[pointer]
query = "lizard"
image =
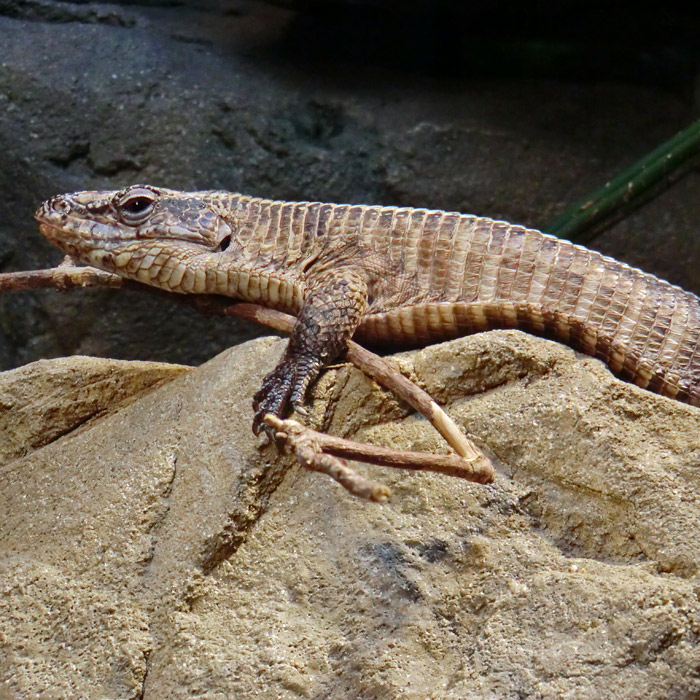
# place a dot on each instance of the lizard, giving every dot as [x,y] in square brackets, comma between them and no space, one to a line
[389,276]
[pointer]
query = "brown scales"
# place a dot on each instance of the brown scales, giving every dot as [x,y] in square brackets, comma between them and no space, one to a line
[392,276]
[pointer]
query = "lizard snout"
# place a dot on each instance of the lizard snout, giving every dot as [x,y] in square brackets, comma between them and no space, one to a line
[53,211]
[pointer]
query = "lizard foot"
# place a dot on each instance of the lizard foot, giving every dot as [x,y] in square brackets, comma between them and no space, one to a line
[283,388]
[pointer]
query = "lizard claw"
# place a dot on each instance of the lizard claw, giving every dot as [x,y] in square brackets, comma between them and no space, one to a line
[301,409]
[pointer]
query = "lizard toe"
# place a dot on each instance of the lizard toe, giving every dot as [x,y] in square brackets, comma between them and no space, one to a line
[273,396]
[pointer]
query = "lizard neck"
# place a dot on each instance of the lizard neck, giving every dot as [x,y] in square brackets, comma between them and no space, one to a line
[244,280]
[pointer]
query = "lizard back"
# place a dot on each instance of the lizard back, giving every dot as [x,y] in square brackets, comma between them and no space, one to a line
[435,275]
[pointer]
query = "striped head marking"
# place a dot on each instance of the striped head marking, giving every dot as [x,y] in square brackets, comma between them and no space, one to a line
[114,230]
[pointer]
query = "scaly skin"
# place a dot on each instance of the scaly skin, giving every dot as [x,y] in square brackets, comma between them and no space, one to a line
[393,276]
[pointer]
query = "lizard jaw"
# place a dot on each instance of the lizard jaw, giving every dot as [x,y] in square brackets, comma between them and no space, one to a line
[69,244]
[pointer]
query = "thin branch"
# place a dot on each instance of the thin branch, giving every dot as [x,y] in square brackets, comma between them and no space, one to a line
[326,454]
[386,373]
[449,465]
[64,277]
[306,445]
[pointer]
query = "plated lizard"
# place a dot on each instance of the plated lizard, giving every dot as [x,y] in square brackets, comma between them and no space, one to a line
[392,276]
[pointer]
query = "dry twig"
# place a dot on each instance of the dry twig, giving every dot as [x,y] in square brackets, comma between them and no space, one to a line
[294,433]
[66,276]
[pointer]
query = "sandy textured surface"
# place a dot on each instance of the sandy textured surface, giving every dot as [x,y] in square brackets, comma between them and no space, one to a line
[150,547]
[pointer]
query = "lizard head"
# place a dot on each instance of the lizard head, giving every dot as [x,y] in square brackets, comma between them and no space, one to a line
[125,231]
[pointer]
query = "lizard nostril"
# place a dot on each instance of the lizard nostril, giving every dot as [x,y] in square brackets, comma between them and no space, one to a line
[60,206]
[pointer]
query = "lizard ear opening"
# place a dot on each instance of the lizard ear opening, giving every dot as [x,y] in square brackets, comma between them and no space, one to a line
[225,243]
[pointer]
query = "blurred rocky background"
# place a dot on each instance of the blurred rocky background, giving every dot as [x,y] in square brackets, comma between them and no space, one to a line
[512,110]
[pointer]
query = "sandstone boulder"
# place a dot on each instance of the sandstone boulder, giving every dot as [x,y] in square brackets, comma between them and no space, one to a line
[152,548]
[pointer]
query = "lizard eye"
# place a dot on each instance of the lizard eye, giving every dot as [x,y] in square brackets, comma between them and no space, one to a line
[136,207]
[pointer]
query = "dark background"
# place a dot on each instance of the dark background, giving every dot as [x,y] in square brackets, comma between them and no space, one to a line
[511,110]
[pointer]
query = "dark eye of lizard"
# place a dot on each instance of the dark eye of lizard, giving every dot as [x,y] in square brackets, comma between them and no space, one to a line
[137,205]
[136,208]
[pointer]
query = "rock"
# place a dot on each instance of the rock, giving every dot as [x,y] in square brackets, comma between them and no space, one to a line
[159,551]
[297,105]
[34,410]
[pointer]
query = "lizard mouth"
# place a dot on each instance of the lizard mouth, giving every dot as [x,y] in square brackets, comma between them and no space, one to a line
[55,233]
[50,231]
[46,229]
[60,238]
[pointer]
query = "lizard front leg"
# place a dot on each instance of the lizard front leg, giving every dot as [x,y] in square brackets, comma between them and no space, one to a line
[333,308]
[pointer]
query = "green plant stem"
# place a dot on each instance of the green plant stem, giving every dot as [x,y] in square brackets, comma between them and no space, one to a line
[625,192]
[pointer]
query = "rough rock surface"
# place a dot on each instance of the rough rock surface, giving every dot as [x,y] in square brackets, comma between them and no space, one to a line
[158,551]
[279,103]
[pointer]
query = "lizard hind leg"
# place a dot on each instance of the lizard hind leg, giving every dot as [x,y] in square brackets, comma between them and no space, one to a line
[333,308]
